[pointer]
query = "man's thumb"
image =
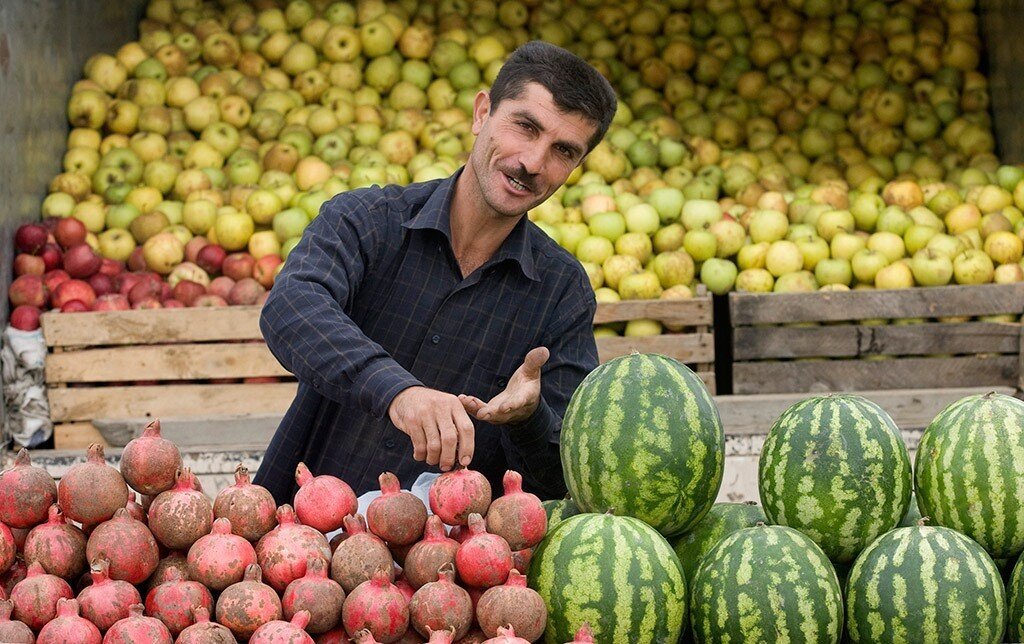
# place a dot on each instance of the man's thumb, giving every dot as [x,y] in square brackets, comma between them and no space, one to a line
[534,360]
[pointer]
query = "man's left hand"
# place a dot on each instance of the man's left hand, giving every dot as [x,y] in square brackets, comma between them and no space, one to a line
[520,398]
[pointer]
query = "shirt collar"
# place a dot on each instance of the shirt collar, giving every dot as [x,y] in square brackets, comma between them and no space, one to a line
[436,215]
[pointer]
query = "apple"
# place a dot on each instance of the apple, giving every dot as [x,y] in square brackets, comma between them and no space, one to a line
[755,280]
[889,244]
[752,255]
[116,244]
[233,230]
[25,264]
[52,256]
[1008,274]
[264,243]
[75,306]
[188,271]
[147,303]
[783,257]
[946,245]
[673,268]
[101,284]
[698,214]
[193,247]
[53,278]
[931,268]
[199,215]
[642,218]
[866,263]
[210,258]
[25,317]
[30,238]
[70,232]
[1004,247]
[636,244]
[610,225]
[718,275]
[833,271]
[668,202]
[162,252]
[962,218]
[265,270]
[144,289]
[918,236]
[812,248]
[111,267]
[238,266]
[669,238]
[640,286]
[31,290]
[974,267]
[832,222]
[618,266]
[700,244]
[209,300]
[865,208]
[186,291]
[81,261]
[729,235]
[893,220]
[73,290]
[768,226]
[594,249]
[245,292]
[111,302]
[798,282]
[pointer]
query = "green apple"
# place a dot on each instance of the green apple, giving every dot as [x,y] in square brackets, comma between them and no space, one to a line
[784,257]
[636,244]
[894,220]
[668,202]
[931,268]
[768,226]
[594,249]
[572,233]
[698,214]
[833,271]
[116,243]
[718,275]
[618,266]
[866,263]
[642,218]
[673,268]
[640,286]
[669,238]
[974,267]
[199,215]
[610,225]
[233,230]
[121,216]
[700,244]
[813,248]
[755,280]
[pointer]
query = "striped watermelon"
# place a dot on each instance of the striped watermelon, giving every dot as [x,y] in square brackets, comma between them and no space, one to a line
[1015,595]
[642,436]
[719,523]
[925,584]
[615,573]
[766,584]
[969,473]
[559,510]
[913,514]
[835,468]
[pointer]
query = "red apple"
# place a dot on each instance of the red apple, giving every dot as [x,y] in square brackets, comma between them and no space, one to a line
[69,232]
[238,266]
[166,292]
[264,272]
[52,256]
[25,264]
[30,238]
[193,247]
[55,278]
[81,261]
[221,286]
[111,302]
[73,290]
[50,224]
[209,300]
[211,258]
[28,289]
[148,303]
[74,306]
[173,304]
[144,289]
[187,291]
[25,317]
[111,267]
[126,281]
[136,262]
[245,291]
[101,284]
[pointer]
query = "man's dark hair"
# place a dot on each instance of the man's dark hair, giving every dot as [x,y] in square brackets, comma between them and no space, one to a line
[575,85]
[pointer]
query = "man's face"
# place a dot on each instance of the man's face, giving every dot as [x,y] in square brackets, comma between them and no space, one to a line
[525,149]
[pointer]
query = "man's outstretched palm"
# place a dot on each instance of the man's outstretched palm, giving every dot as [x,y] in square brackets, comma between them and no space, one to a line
[519,399]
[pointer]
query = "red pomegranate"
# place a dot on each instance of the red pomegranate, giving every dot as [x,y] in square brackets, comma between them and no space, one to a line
[364,637]
[506,635]
[398,553]
[172,601]
[35,597]
[475,636]
[175,559]
[457,494]
[68,626]
[251,508]
[484,559]
[91,492]
[220,558]
[396,516]
[378,606]
[247,605]
[58,545]
[10,578]
[515,604]
[459,533]
[135,509]
[441,605]
[358,557]
[8,547]
[149,463]
[127,544]
[26,493]
[426,557]
[335,636]
[281,632]
[584,635]
[317,593]
[182,514]
[20,536]
[136,628]
[203,631]
[324,501]
[441,637]
[402,584]
[283,552]
[521,559]
[11,630]
[106,600]
[517,516]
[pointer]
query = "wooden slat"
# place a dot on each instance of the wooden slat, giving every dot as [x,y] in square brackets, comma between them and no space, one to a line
[709,379]
[847,340]
[775,308]
[163,362]
[691,312]
[77,436]
[684,347]
[152,326]
[86,403]
[818,376]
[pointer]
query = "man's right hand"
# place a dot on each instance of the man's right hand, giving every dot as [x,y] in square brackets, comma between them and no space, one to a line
[437,424]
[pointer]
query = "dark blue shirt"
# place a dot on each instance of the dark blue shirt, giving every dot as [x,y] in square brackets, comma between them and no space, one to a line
[372,301]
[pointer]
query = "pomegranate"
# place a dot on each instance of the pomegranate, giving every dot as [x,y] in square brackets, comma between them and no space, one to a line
[315,592]
[20,536]
[484,559]
[13,631]
[517,516]
[220,558]
[106,600]
[426,557]
[364,637]
[174,559]
[459,533]
[13,575]
[26,493]
[172,601]
[395,516]
[506,635]
[135,509]
[68,626]
[584,635]
[203,631]
[251,508]
[8,547]
[378,606]
[136,628]
[336,636]
[247,605]
[411,637]
[521,559]
[35,597]
[149,462]
[281,632]
[515,604]
[441,605]
[357,558]
[398,553]
[402,584]
[324,501]
[57,545]
[91,492]
[283,552]
[475,636]
[458,493]
[127,544]
[182,514]
[442,637]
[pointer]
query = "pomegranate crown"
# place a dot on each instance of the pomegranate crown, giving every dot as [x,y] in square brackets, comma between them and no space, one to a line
[241,475]
[152,430]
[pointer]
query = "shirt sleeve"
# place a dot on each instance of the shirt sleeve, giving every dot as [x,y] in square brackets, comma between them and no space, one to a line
[304,320]
[532,447]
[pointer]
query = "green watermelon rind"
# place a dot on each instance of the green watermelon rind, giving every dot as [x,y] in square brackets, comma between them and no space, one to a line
[1015,602]
[721,521]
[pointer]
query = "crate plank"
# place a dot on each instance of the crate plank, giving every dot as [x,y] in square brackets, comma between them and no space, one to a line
[847,340]
[100,328]
[817,376]
[775,308]
[163,362]
[684,347]
[691,312]
[87,403]
[78,436]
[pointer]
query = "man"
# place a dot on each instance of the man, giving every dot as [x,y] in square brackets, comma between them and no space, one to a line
[435,325]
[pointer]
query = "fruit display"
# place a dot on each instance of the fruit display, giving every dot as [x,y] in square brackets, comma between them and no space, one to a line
[721,521]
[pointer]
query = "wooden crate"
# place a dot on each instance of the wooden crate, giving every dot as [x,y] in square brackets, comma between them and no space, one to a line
[816,342]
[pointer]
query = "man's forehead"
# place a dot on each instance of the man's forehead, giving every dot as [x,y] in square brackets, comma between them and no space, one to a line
[536,101]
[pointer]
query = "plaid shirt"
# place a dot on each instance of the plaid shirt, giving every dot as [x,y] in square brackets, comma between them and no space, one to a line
[372,301]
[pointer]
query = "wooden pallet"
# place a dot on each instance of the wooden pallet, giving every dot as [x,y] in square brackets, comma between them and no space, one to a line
[816,342]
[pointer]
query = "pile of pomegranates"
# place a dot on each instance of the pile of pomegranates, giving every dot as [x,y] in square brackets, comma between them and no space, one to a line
[92,560]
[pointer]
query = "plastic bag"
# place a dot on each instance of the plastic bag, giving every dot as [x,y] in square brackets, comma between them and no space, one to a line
[27,410]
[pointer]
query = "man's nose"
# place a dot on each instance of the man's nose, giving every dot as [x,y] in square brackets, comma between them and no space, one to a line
[532,159]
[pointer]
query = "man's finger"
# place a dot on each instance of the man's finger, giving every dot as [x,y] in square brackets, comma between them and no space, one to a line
[534,360]
[449,441]
[433,438]
[472,404]
[467,437]
[419,444]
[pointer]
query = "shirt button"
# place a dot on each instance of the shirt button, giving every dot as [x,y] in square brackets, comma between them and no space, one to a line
[389,443]
[435,339]
[502,382]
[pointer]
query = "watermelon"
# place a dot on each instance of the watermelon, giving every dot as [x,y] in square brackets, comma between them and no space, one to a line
[720,522]
[559,510]
[925,584]
[1015,596]
[615,573]
[642,437]
[913,514]
[835,468]
[766,584]
[969,473]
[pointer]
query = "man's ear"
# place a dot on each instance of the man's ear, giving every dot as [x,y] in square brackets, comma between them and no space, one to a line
[481,110]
